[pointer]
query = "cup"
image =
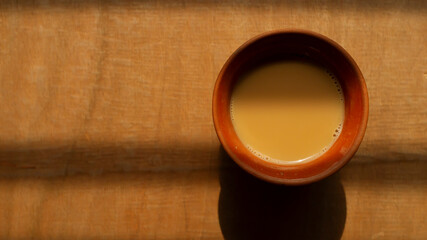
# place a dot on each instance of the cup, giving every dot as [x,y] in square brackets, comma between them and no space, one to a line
[314,47]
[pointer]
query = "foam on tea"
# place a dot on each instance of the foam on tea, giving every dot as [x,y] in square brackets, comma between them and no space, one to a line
[287,111]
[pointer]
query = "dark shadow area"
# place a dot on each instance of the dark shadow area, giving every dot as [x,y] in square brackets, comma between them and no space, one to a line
[250,208]
[368,171]
[47,159]
[417,5]
[52,159]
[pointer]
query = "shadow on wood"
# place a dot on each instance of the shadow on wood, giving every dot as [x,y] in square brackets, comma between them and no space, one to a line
[49,159]
[249,208]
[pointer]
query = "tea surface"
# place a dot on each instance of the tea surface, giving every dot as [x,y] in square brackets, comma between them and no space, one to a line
[287,111]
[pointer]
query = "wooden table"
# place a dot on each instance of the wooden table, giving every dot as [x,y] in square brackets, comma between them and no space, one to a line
[106,129]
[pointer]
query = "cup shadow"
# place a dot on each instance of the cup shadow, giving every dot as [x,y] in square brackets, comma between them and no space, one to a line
[249,208]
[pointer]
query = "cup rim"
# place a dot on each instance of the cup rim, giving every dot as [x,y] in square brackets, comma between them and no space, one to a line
[262,170]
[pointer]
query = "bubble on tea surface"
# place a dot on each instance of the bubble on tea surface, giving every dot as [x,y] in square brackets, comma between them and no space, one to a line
[337,131]
[232,109]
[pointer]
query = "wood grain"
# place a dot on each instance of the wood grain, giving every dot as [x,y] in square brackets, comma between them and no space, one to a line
[106,129]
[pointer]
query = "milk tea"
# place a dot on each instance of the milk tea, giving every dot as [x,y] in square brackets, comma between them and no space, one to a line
[287,111]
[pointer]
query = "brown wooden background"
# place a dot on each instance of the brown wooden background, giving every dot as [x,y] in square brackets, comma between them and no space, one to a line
[106,128]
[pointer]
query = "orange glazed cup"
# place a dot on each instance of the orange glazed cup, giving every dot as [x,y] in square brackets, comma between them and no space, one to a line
[293,43]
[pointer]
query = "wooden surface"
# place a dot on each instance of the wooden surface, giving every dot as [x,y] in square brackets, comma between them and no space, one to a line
[106,129]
